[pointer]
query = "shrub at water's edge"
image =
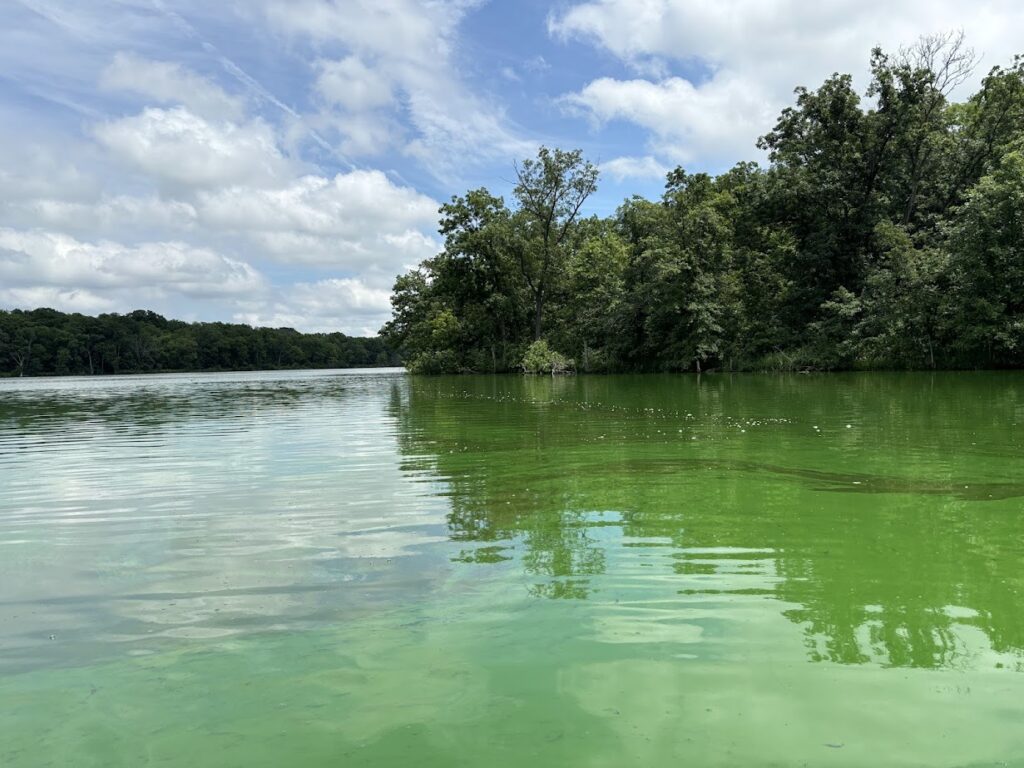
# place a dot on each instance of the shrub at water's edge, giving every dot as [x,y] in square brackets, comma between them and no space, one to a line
[540,358]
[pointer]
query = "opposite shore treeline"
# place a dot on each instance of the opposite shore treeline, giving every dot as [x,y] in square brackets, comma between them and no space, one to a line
[46,342]
[887,231]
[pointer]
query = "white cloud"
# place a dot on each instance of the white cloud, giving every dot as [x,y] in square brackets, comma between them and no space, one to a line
[115,215]
[784,36]
[408,30]
[456,129]
[351,84]
[39,268]
[355,221]
[176,147]
[714,121]
[29,170]
[751,54]
[363,133]
[35,260]
[345,304]
[64,299]
[169,83]
[622,168]
[400,57]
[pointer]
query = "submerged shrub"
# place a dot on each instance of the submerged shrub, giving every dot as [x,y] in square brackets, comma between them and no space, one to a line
[540,358]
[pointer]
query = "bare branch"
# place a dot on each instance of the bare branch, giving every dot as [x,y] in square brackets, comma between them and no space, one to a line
[945,56]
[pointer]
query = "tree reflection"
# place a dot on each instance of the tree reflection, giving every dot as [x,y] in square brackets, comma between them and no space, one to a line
[887,543]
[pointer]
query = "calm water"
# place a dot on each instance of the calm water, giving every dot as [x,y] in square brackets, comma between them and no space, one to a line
[369,569]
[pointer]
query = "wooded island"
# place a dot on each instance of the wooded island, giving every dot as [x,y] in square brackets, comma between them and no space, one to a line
[887,231]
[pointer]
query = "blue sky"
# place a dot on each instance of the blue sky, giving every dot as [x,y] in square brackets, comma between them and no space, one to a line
[277,162]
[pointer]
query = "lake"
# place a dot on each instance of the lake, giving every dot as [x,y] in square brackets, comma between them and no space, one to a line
[363,568]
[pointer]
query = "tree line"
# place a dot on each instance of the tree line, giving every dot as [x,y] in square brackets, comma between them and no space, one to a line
[47,342]
[886,231]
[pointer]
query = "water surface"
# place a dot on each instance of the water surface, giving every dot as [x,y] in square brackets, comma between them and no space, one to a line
[363,568]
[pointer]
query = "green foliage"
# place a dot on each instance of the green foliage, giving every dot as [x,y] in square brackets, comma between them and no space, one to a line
[550,191]
[540,358]
[833,342]
[46,342]
[987,238]
[587,302]
[886,232]
[905,302]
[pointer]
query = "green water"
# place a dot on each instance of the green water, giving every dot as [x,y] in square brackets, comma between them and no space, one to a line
[369,569]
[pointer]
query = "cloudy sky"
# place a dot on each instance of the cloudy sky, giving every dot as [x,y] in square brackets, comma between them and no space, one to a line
[277,162]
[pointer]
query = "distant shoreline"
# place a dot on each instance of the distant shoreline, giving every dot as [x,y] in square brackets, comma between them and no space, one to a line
[46,342]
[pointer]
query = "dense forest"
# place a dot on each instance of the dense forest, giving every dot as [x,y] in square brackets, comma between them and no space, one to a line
[886,231]
[47,342]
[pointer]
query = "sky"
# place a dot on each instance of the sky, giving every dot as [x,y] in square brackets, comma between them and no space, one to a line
[279,162]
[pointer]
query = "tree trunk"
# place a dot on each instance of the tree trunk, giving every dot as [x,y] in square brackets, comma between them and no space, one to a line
[538,314]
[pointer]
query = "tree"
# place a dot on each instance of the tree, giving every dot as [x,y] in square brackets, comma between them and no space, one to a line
[640,224]
[824,189]
[476,273]
[885,232]
[550,191]
[987,251]
[689,260]
[983,129]
[910,125]
[462,310]
[588,302]
[21,350]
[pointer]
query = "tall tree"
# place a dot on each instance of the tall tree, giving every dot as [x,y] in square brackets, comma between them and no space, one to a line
[587,305]
[823,190]
[550,191]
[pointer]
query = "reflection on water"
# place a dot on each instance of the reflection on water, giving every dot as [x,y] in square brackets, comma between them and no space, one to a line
[891,536]
[142,508]
[594,570]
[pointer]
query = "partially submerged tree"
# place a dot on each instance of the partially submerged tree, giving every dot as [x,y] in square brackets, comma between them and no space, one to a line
[540,358]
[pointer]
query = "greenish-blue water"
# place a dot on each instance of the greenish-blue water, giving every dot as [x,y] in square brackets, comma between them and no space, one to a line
[366,568]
